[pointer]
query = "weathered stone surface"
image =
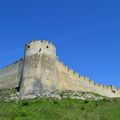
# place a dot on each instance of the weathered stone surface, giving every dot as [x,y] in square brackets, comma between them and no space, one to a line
[40,69]
[10,75]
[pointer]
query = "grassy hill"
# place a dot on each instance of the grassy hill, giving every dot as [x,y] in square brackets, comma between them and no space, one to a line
[65,109]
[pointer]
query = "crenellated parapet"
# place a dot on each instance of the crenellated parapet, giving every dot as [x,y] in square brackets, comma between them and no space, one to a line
[92,86]
[68,70]
[40,47]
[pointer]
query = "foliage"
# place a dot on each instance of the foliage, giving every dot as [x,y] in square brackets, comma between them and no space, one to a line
[64,109]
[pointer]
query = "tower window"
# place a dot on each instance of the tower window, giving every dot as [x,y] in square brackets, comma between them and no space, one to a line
[47,46]
[28,46]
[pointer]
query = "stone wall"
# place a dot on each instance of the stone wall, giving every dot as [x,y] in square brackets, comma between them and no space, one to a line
[10,75]
[70,80]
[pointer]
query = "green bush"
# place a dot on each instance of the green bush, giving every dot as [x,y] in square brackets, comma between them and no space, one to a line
[55,102]
[106,100]
[86,101]
[82,108]
[25,104]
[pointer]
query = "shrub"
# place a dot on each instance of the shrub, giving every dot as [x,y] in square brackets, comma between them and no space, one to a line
[25,104]
[96,104]
[77,118]
[22,114]
[114,99]
[55,102]
[82,108]
[61,94]
[86,101]
[106,100]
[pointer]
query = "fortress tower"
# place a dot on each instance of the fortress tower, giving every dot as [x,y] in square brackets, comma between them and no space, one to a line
[39,70]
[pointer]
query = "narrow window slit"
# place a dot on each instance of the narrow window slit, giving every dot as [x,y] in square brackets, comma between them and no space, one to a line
[40,50]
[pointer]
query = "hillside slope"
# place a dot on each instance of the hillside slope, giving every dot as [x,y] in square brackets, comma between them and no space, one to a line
[64,109]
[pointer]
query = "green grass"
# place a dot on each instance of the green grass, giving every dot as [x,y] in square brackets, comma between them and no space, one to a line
[65,109]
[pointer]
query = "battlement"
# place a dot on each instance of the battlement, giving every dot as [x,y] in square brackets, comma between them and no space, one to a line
[43,42]
[39,47]
[86,80]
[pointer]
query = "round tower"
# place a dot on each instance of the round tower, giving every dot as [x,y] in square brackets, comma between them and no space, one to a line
[40,69]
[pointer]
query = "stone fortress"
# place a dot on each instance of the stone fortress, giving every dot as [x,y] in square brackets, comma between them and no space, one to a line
[40,72]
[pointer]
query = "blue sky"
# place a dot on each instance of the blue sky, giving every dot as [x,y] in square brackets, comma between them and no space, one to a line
[85,32]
